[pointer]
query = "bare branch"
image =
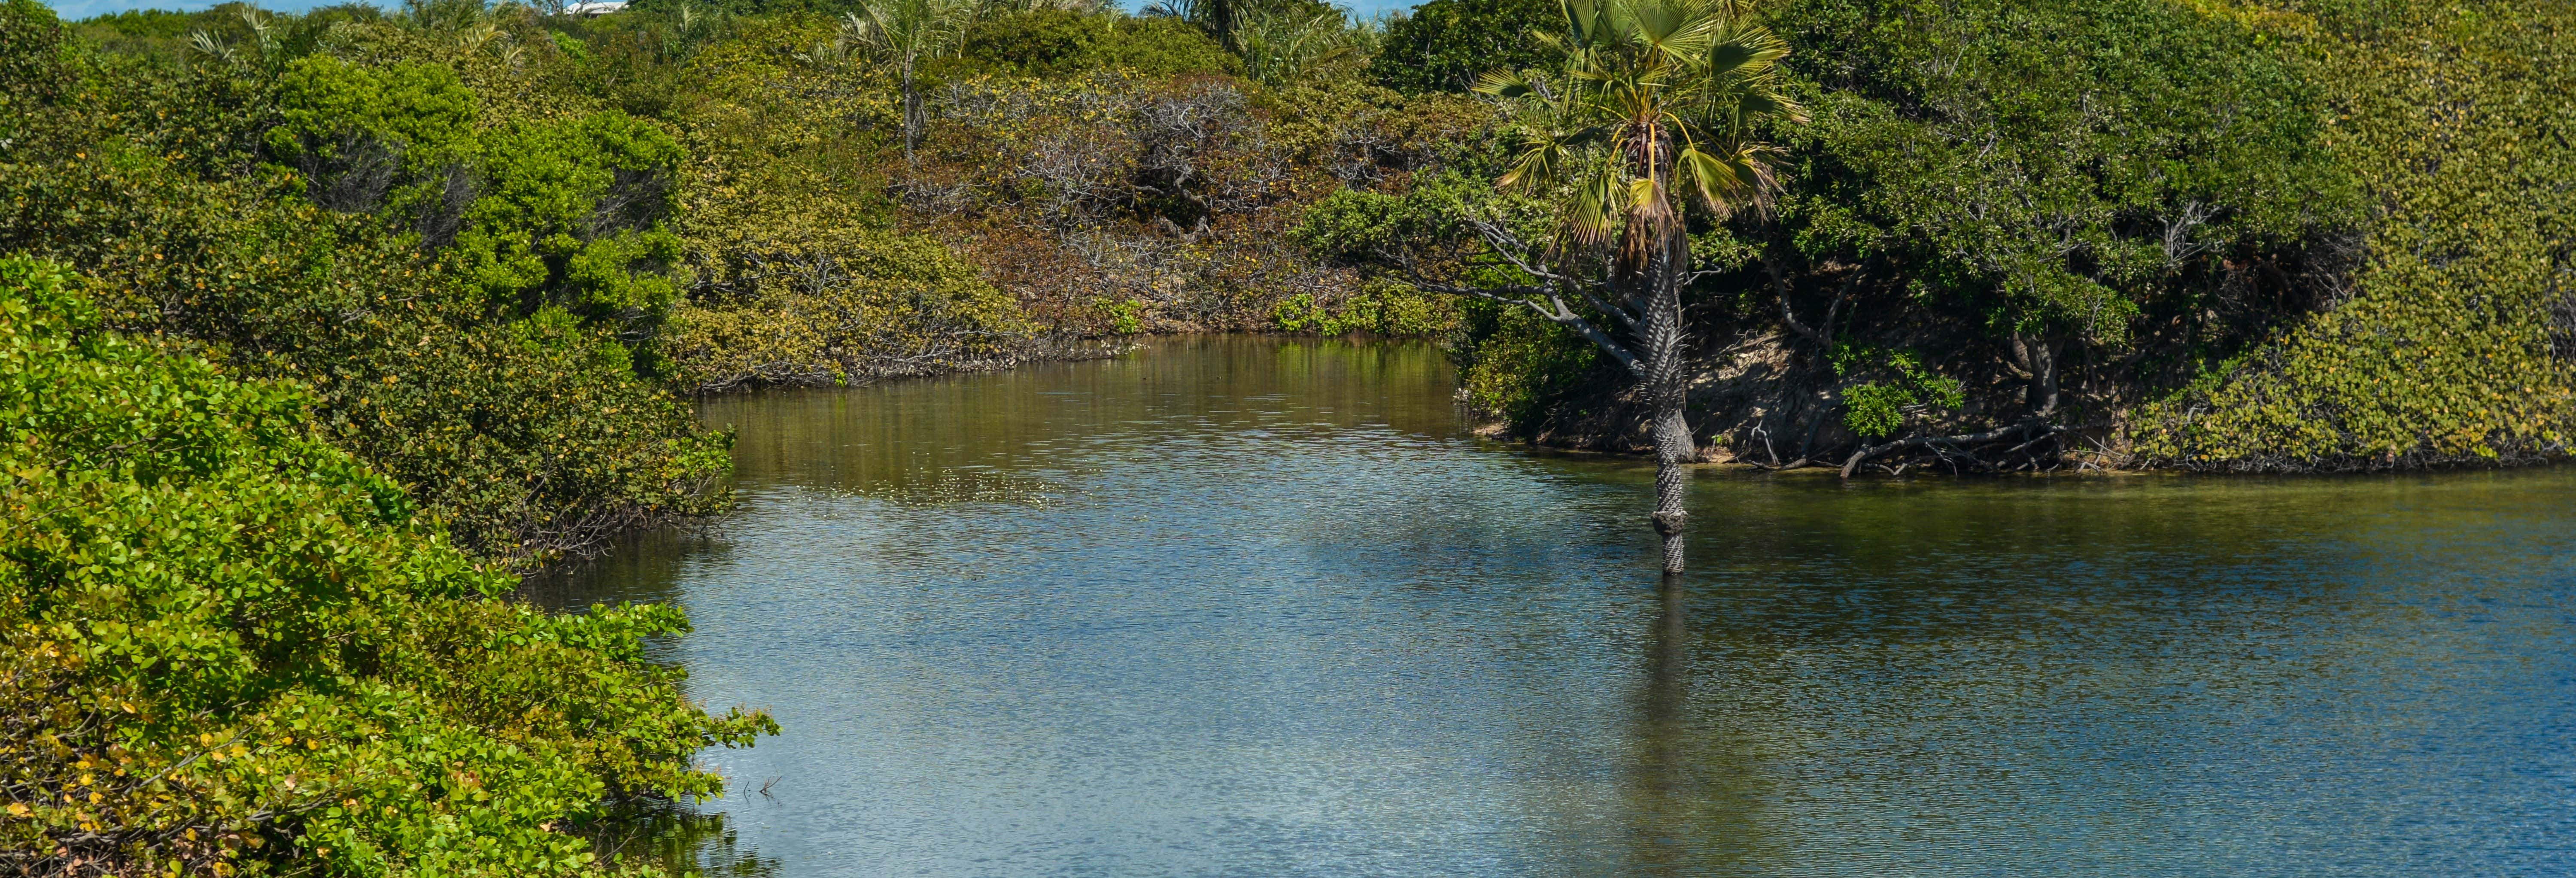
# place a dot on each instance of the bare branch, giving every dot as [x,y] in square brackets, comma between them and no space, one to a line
[1566,317]
[1511,249]
[1788,316]
[1627,316]
[1943,444]
[1552,307]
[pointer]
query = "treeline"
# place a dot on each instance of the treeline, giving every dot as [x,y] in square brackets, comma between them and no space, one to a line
[501,245]
[2314,235]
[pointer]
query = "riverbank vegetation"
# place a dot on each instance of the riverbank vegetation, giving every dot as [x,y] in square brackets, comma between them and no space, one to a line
[326,323]
[2205,235]
[504,245]
[400,299]
[231,648]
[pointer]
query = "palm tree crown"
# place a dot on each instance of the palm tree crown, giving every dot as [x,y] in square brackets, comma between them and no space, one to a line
[1656,97]
[1660,108]
[905,33]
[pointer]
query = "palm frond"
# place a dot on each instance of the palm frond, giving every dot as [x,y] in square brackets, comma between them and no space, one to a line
[1760,103]
[1709,179]
[1745,52]
[1674,31]
[1504,84]
[211,46]
[1645,200]
[1595,208]
[1538,165]
[1583,20]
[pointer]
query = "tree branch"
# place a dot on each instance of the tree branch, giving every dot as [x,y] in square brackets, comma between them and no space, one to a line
[1780,288]
[1547,299]
[2042,428]
[1626,313]
[1553,308]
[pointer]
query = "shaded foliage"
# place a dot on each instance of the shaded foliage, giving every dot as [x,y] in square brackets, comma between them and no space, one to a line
[1444,45]
[2062,213]
[2449,345]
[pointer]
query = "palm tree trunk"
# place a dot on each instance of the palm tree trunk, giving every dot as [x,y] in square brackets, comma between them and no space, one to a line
[1221,19]
[1668,394]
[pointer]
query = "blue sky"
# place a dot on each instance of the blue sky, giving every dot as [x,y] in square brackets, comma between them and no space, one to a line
[77,9]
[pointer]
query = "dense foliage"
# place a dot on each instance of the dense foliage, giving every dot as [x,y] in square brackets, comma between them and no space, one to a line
[2030,225]
[1446,44]
[226,646]
[2456,342]
[1059,42]
[503,379]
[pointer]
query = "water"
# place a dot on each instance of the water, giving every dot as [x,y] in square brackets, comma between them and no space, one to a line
[1254,607]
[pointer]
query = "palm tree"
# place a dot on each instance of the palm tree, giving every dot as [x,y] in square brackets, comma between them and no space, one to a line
[905,32]
[1281,46]
[1218,17]
[1659,109]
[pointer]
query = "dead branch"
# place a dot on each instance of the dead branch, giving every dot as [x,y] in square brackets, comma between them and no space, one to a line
[1946,446]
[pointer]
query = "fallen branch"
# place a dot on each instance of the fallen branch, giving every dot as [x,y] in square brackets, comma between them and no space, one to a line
[1941,444]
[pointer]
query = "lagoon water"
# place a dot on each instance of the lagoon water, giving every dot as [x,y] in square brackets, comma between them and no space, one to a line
[1260,607]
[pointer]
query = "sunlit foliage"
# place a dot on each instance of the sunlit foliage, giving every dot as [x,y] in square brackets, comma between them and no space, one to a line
[2456,341]
[2070,211]
[227,645]
[1058,42]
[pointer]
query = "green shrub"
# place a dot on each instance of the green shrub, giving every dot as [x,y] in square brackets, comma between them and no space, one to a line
[1155,46]
[1443,45]
[525,445]
[2456,343]
[148,23]
[32,63]
[328,107]
[572,216]
[1379,307]
[1038,42]
[1522,368]
[231,648]
[1877,409]
[1057,42]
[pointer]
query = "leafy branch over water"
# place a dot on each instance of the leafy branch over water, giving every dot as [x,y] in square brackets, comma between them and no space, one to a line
[229,645]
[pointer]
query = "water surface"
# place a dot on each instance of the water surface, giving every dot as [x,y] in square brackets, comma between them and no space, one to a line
[1261,607]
